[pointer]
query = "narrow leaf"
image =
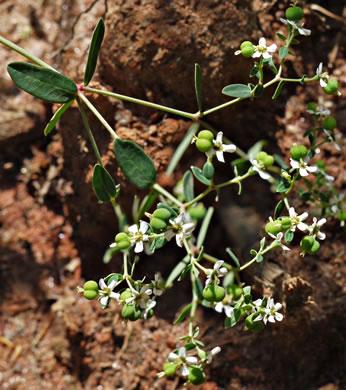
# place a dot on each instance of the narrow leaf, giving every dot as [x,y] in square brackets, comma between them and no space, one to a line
[55,118]
[278,90]
[135,163]
[204,228]
[198,287]
[278,209]
[237,90]
[110,252]
[104,186]
[281,36]
[147,202]
[183,314]
[283,52]
[43,83]
[188,186]
[198,86]
[184,144]
[199,175]
[95,46]
[258,91]
[177,270]
[234,257]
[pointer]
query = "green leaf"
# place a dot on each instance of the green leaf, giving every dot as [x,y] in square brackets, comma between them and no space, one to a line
[104,186]
[283,52]
[147,202]
[177,270]
[183,314]
[229,322]
[258,91]
[188,186]
[283,186]
[198,287]
[259,258]
[278,209]
[237,90]
[289,236]
[278,90]
[135,163]
[110,252]
[198,86]
[234,257]
[280,161]
[255,149]
[199,175]
[254,71]
[204,227]
[95,46]
[43,83]
[270,63]
[305,195]
[55,118]
[184,144]
[282,37]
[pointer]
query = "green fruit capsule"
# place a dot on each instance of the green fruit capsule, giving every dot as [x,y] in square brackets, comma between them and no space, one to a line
[246,44]
[125,295]
[196,376]
[90,294]
[261,156]
[294,13]
[257,327]
[162,213]
[247,51]
[213,293]
[169,369]
[329,123]
[236,292]
[91,285]
[298,151]
[273,227]
[342,216]
[268,161]
[205,134]
[157,223]
[127,311]
[208,170]
[286,223]
[315,247]
[332,87]
[121,237]
[124,244]
[197,212]
[203,145]
[136,315]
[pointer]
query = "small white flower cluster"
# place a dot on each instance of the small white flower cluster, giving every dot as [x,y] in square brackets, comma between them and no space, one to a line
[219,148]
[270,312]
[259,168]
[261,50]
[218,271]
[302,166]
[180,229]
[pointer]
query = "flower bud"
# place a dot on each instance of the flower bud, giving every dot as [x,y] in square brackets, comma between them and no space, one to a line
[203,145]
[298,152]
[332,87]
[169,369]
[157,223]
[162,213]
[206,134]
[273,227]
[294,13]
[213,293]
[329,123]
[208,170]
[196,375]
[197,212]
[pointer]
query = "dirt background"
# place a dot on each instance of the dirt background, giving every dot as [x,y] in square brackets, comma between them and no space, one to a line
[53,233]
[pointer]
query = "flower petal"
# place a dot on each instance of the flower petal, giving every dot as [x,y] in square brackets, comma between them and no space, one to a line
[133,229]
[219,156]
[102,284]
[230,148]
[139,247]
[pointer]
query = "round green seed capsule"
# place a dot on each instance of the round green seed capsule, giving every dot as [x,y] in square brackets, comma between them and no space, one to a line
[236,291]
[169,369]
[91,285]
[124,244]
[257,327]
[157,223]
[205,134]
[247,51]
[162,213]
[306,243]
[268,161]
[90,294]
[246,44]
[329,123]
[332,87]
[197,212]
[315,247]
[127,311]
[208,170]
[196,376]
[213,293]
[294,13]
[273,227]
[298,151]
[285,223]
[136,315]
[203,145]
[121,237]
[125,295]
[261,156]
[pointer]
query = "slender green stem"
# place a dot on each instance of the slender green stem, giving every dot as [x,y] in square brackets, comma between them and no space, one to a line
[117,210]
[194,304]
[261,252]
[143,103]
[98,115]
[90,134]
[213,260]
[24,53]
[165,193]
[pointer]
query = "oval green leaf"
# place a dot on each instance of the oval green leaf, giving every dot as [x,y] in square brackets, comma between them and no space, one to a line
[188,186]
[278,90]
[199,175]
[104,186]
[135,163]
[95,46]
[55,118]
[43,83]
[237,90]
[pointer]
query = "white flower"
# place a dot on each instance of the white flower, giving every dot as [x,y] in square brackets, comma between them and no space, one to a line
[212,353]
[304,169]
[319,111]
[324,76]
[258,166]
[278,239]
[138,235]
[215,273]
[270,312]
[297,26]
[297,220]
[140,298]
[315,228]
[178,229]
[337,203]
[219,148]
[228,309]
[150,305]
[332,138]
[263,50]
[182,360]
[158,284]
[106,292]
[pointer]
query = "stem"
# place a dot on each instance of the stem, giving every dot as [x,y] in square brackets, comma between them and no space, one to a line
[117,210]
[98,115]
[213,260]
[143,103]
[194,304]
[262,252]
[165,193]
[90,134]
[24,53]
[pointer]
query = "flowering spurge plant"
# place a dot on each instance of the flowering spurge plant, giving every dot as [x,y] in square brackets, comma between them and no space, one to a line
[180,217]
